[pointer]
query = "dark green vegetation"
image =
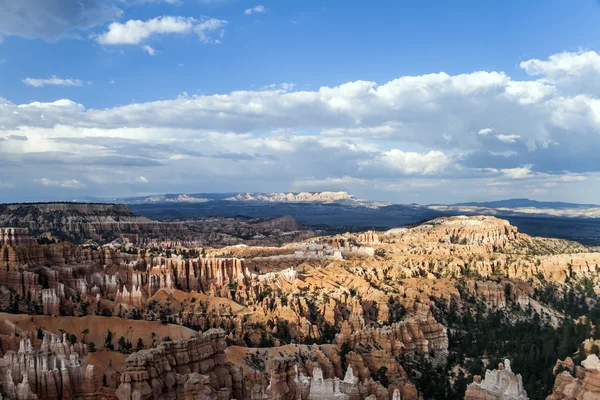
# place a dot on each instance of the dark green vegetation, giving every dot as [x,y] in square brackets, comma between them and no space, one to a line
[533,345]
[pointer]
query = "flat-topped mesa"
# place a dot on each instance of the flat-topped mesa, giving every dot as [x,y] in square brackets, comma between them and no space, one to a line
[15,237]
[324,197]
[499,384]
[187,368]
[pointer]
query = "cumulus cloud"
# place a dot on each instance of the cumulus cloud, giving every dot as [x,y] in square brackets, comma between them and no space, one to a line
[410,163]
[572,72]
[256,10]
[142,179]
[507,138]
[53,80]
[53,19]
[134,32]
[478,130]
[517,173]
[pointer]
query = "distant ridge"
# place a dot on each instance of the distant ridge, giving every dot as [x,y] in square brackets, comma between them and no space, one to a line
[272,197]
[523,202]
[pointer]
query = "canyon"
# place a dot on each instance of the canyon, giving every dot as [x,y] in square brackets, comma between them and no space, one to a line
[99,303]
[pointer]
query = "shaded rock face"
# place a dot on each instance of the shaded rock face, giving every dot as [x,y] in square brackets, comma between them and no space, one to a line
[52,371]
[499,384]
[186,369]
[79,221]
[577,382]
[283,223]
[15,237]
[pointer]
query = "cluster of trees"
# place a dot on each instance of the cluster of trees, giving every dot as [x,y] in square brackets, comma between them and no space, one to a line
[123,345]
[18,304]
[532,345]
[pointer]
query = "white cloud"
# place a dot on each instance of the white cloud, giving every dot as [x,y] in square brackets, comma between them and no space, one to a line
[142,179]
[410,163]
[430,129]
[573,72]
[283,87]
[53,80]
[255,10]
[508,138]
[149,50]
[517,173]
[70,183]
[134,32]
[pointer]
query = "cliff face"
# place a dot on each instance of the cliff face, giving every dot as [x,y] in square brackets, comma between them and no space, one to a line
[577,382]
[80,221]
[186,369]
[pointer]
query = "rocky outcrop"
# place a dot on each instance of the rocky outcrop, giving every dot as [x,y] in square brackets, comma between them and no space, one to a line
[500,384]
[417,336]
[53,371]
[577,382]
[185,369]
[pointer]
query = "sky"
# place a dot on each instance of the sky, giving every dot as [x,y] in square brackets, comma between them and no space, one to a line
[405,101]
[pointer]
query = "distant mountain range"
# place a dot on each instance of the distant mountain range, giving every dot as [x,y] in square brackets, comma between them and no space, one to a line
[326,198]
[343,211]
[241,197]
[524,203]
[276,197]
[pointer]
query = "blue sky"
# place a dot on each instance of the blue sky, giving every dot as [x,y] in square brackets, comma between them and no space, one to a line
[410,101]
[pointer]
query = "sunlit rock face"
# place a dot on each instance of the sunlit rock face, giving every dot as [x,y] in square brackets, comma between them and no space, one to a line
[577,382]
[498,384]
